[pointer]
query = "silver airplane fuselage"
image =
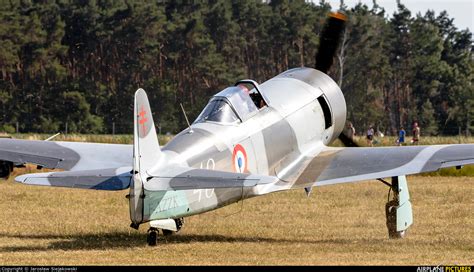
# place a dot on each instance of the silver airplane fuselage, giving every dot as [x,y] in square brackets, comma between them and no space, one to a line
[305,110]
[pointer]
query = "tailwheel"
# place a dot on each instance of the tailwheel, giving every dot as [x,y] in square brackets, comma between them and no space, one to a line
[152,236]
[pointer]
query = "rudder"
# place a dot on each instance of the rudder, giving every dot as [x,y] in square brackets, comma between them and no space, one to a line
[146,154]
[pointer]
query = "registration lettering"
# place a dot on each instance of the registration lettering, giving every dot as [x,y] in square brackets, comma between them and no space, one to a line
[168,204]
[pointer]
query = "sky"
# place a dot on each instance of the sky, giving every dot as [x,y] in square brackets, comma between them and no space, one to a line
[461,10]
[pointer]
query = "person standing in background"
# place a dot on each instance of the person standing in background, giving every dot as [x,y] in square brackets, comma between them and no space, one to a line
[370,136]
[350,131]
[416,133]
[401,136]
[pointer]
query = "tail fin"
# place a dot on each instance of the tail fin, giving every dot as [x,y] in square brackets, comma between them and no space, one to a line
[146,154]
[147,150]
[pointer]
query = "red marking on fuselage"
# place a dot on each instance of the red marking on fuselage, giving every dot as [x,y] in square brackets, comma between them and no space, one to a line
[238,148]
[142,120]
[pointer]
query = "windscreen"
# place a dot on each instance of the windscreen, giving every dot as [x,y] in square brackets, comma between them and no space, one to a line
[217,110]
[242,103]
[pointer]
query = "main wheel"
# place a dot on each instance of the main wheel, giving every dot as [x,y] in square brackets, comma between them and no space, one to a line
[151,237]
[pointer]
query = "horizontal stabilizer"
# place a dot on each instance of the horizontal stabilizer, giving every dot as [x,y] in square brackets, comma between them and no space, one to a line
[184,178]
[111,179]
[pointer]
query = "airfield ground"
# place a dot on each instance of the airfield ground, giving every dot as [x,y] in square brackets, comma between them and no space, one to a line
[338,224]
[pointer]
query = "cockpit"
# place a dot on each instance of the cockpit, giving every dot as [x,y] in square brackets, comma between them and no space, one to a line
[233,104]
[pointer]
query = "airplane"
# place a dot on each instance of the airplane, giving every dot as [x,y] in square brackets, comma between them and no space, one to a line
[250,140]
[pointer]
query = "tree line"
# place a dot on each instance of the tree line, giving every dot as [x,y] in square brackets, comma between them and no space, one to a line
[77,63]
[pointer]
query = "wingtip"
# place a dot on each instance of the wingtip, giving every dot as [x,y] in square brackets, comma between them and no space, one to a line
[31,177]
[23,178]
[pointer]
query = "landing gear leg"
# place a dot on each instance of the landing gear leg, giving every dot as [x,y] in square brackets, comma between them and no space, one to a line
[151,236]
[398,209]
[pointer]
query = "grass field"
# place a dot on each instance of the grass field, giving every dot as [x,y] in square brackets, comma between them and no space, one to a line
[339,224]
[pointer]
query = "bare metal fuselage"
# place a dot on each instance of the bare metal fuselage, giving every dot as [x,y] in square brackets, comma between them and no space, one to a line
[294,122]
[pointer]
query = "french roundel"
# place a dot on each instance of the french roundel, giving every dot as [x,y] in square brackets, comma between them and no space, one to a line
[239,159]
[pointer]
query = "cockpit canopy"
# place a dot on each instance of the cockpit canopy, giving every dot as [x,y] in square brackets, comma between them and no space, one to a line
[231,105]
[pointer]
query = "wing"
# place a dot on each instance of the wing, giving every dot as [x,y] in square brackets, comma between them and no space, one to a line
[66,155]
[339,165]
[94,166]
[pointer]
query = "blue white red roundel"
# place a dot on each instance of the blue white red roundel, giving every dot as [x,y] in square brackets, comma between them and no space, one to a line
[239,159]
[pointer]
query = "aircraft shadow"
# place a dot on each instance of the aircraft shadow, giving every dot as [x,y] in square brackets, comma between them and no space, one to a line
[130,240]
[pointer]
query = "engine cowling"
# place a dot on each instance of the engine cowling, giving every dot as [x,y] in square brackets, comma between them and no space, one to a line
[332,99]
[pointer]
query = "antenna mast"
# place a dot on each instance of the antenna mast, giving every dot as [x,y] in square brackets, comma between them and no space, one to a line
[185,116]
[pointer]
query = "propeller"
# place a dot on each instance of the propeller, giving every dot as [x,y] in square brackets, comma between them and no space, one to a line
[328,44]
[329,40]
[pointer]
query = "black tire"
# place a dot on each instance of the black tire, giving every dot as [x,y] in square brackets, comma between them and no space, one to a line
[151,238]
